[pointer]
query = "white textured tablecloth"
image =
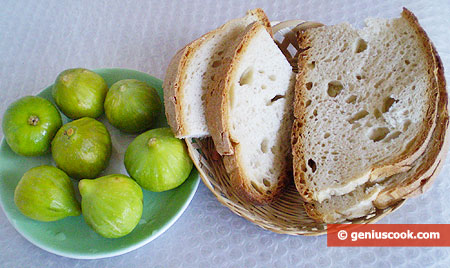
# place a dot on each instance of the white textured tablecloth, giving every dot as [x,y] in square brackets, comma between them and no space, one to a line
[39,39]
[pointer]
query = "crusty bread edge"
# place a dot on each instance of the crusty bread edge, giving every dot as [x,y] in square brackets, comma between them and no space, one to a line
[299,163]
[429,171]
[218,105]
[175,77]
[173,95]
[402,162]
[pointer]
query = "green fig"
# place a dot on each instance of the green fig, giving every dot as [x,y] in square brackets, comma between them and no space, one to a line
[132,106]
[79,93]
[112,205]
[29,125]
[82,148]
[157,160]
[46,193]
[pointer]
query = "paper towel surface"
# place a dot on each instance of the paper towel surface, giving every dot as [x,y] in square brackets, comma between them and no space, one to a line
[39,39]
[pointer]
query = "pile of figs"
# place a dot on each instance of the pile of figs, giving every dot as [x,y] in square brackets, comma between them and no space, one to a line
[111,205]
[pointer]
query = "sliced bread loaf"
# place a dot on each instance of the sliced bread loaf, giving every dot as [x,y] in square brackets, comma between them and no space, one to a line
[365,104]
[250,106]
[191,71]
[365,198]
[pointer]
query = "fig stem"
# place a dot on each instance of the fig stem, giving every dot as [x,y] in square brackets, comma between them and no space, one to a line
[33,120]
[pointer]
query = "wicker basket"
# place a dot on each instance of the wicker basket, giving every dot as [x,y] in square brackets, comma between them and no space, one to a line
[286,215]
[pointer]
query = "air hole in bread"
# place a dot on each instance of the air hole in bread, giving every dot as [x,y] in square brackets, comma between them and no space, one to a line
[359,77]
[359,115]
[356,125]
[392,136]
[377,134]
[315,112]
[277,97]
[265,145]
[246,77]
[360,45]
[406,125]
[377,85]
[261,71]
[308,102]
[309,85]
[351,99]
[272,77]
[344,47]
[387,103]
[376,113]
[334,88]
[312,165]
[326,135]
[407,62]
[263,86]
[216,63]
[273,149]
[408,145]
[266,183]
[220,53]
[311,65]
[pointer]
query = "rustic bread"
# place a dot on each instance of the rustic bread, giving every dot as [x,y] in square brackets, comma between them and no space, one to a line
[365,104]
[191,71]
[250,105]
[416,180]
[365,198]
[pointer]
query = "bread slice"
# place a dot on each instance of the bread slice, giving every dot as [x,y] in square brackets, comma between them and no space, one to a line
[430,163]
[251,106]
[365,198]
[191,71]
[365,105]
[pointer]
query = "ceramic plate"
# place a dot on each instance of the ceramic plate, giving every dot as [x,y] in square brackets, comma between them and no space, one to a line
[71,237]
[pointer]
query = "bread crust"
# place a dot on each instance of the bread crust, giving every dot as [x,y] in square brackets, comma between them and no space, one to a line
[217,112]
[401,163]
[175,77]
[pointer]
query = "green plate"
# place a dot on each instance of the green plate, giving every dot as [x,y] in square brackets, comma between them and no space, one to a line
[71,237]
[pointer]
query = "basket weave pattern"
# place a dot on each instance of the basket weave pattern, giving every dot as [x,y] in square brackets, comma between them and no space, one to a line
[285,215]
